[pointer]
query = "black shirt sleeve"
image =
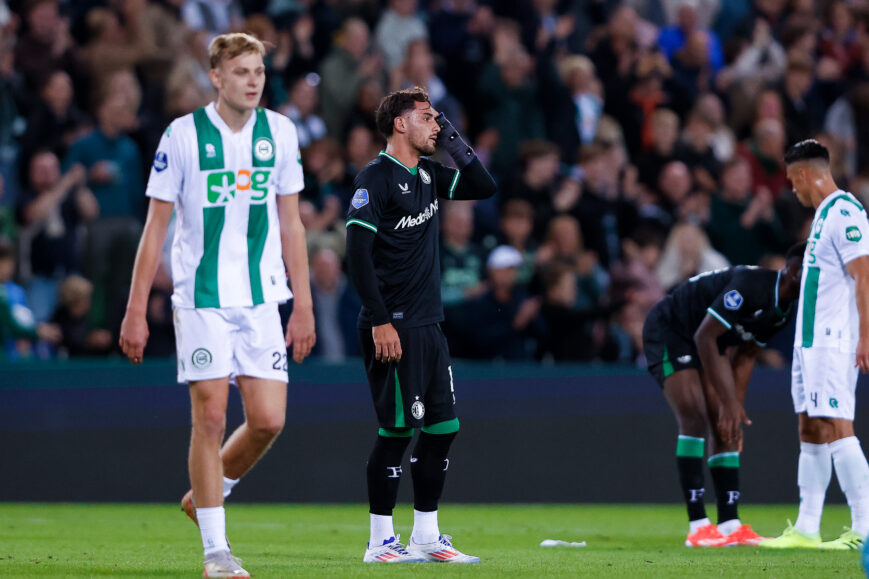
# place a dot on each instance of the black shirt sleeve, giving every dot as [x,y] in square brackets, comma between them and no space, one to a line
[368,202]
[360,267]
[738,301]
[474,182]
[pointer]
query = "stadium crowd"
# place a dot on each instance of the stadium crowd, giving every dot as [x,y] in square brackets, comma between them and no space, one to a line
[635,143]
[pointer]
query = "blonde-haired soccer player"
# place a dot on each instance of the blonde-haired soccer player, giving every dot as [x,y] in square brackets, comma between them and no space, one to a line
[231,172]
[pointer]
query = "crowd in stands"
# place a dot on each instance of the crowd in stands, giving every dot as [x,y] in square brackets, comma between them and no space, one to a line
[635,143]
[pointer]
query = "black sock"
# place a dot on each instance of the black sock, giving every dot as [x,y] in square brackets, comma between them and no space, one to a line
[384,473]
[428,465]
[689,460]
[725,474]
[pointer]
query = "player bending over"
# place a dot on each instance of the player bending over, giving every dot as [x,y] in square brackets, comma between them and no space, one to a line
[231,171]
[830,346]
[392,250]
[701,342]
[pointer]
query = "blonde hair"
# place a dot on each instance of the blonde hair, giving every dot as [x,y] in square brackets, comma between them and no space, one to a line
[73,289]
[228,46]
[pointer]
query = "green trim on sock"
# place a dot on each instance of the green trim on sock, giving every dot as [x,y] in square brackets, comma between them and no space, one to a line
[395,432]
[690,446]
[724,459]
[445,427]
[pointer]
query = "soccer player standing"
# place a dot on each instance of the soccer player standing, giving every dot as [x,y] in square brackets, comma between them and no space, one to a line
[701,342]
[392,249]
[830,346]
[231,172]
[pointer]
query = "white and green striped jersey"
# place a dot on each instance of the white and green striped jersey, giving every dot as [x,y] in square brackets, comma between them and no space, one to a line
[227,246]
[827,313]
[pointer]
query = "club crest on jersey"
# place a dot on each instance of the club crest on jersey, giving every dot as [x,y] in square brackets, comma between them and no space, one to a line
[417,409]
[161,161]
[360,198]
[853,234]
[263,149]
[426,178]
[732,300]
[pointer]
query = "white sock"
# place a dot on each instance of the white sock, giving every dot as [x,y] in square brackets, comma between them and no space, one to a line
[212,527]
[228,483]
[728,527]
[425,527]
[853,474]
[813,476]
[694,525]
[381,530]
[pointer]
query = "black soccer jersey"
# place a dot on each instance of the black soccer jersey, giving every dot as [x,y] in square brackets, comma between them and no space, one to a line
[743,298]
[400,205]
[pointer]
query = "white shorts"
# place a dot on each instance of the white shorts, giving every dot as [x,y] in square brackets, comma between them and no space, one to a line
[219,342]
[823,382]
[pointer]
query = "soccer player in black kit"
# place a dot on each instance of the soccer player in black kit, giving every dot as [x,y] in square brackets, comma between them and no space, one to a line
[701,342]
[392,252]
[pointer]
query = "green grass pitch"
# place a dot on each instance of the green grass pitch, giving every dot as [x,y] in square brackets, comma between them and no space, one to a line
[86,540]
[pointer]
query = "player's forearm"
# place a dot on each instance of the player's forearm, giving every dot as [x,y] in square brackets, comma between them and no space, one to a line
[862,291]
[148,256]
[717,369]
[743,366]
[360,268]
[295,253]
[474,183]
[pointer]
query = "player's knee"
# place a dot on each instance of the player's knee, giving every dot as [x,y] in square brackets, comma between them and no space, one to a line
[268,426]
[693,423]
[211,423]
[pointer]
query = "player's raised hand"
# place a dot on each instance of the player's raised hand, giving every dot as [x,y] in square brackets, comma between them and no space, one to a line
[301,333]
[387,346]
[863,356]
[134,336]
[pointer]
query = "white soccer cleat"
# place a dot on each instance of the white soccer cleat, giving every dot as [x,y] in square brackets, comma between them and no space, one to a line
[441,551]
[391,551]
[223,564]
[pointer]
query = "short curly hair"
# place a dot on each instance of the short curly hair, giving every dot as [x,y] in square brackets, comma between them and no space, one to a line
[396,104]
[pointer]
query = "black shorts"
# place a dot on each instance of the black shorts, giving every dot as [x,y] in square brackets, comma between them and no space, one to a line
[667,350]
[418,390]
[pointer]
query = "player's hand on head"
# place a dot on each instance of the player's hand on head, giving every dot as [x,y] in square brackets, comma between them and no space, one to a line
[387,345]
[134,336]
[301,333]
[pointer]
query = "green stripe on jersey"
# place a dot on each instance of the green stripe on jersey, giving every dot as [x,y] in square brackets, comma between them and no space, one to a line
[810,301]
[666,364]
[412,171]
[725,459]
[454,182]
[257,230]
[718,317]
[205,294]
[209,140]
[263,148]
[690,446]
[822,217]
[361,223]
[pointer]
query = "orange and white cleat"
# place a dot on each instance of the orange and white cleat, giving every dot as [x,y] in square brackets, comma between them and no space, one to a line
[188,507]
[745,536]
[706,536]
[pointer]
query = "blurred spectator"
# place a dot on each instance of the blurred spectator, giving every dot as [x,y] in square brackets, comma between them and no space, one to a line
[368,98]
[461,259]
[501,322]
[336,306]
[302,110]
[722,140]
[418,70]
[665,136]
[18,328]
[213,16]
[802,107]
[564,246]
[635,272]
[742,226]
[46,44]
[839,44]
[361,147]
[697,152]
[674,38]
[513,112]
[13,106]
[349,64]
[765,154]
[188,80]
[687,252]
[165,35]
[537,183]
[398,27]
[112,46]
[8,227]
[51,212]
[79,337]
[517,225]
[55,122]
[569,335]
